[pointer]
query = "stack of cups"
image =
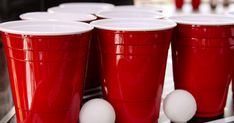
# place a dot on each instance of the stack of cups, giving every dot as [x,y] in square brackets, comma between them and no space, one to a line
[133,61]
[47,64]
[202,51]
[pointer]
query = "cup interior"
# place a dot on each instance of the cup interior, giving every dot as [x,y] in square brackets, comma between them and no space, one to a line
[44,28]
[121,14]
[133,24]
[87,5]
[137,8]
[79,8]
[203,19]
[57,16]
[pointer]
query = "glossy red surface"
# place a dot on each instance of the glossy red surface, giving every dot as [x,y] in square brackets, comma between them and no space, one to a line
[136,111]
[196,31]
[127,38]
[47,56]
[131,49]
[47,82]
[51,117]
[133,68]
[36,43]
[202,65]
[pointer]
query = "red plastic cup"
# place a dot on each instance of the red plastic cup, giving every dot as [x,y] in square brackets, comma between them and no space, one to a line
[45,16]
[203,58]
[81,7]
[126,14]
[47,65]
[92,81]
[133,61]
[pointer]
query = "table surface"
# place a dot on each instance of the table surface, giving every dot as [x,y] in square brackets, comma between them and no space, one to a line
[7,113]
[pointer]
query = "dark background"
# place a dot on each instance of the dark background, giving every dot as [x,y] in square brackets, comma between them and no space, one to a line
[11,9]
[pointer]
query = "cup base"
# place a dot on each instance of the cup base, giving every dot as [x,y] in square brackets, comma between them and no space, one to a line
[135,111]
[26,116]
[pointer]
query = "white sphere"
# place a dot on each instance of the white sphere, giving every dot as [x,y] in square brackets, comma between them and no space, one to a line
[97,111]
[179,106]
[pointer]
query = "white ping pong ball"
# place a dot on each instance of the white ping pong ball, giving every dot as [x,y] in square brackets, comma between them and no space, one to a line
[97,111]
[179,106]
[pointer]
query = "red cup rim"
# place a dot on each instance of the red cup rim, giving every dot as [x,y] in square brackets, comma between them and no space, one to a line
[45,16]
[122,14]
[203,19]
[44,28]
[90,8]
[133,24]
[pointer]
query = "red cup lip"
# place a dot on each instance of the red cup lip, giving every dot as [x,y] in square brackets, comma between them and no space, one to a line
[203,19]
[122,14]
[133,24]
[40,16]
[80,7]
[44,28]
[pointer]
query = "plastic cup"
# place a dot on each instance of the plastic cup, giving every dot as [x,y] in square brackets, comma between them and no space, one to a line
[132,81]
[46,78]
[92,81]
[81,7]
[45,16]
[202,59]
[125,14]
